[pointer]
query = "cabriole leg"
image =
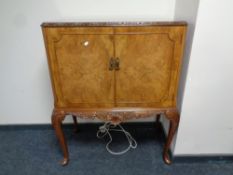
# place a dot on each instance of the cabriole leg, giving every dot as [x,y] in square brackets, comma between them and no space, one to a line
[75,123]
[173,117]
[158,116]
[57,118]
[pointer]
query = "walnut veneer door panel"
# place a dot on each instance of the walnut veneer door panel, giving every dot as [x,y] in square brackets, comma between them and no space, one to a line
[149,66]
[80,69]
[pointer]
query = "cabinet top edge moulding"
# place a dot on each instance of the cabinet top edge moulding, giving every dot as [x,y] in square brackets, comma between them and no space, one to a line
[110,24]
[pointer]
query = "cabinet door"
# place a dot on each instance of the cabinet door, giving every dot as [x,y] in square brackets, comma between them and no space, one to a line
[149,66]
[79,61]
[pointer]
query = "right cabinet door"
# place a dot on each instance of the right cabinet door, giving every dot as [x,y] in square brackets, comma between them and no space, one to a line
[149,65]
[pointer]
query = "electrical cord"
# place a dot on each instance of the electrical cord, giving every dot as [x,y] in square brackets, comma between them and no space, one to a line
[105,130]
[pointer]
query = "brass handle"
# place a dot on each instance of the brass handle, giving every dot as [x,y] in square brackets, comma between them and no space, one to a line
[114,64]
[117,64]
[111,64]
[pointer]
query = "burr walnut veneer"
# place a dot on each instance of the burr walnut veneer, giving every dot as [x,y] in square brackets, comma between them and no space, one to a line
[114,72]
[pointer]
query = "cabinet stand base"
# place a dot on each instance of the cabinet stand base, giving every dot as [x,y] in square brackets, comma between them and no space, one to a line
[116,117]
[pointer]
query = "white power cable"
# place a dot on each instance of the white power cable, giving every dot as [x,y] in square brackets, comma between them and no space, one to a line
[105,130]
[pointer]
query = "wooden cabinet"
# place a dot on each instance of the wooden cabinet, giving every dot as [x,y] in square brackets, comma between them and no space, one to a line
[114,71]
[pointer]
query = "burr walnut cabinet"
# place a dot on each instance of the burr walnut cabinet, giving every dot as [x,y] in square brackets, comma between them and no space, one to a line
[114,72]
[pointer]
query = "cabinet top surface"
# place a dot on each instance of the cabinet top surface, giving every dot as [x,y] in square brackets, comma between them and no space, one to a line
[96,24]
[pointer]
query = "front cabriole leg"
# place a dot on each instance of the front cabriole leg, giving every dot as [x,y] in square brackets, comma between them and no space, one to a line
[57,118]
[173,116]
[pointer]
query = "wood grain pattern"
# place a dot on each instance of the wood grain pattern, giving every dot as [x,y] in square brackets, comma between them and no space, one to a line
[144,78]
[150,63]
[83,68]
[80,74]
[146,84]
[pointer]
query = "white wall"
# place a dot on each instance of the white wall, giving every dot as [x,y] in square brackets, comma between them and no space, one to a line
[184,11]
[206,125]
[25,90]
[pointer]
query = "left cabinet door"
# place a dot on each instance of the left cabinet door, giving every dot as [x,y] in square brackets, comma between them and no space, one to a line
[79,66]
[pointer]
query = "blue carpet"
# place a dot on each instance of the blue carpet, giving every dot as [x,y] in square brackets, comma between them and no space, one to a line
[35,151]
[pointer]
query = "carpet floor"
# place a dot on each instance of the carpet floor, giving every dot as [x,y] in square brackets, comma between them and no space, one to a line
[35,151]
